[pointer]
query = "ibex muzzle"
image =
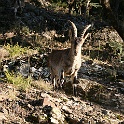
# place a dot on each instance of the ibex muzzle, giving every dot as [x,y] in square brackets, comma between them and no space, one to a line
[67,62]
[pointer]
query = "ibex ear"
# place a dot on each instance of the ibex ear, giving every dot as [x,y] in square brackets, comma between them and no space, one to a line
[84,35]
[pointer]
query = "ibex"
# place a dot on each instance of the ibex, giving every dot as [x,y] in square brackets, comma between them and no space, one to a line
[67,62]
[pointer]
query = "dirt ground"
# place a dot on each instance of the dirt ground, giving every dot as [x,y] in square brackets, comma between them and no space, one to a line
[100,91]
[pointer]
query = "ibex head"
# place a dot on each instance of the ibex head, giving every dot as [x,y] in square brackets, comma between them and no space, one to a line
[77,42]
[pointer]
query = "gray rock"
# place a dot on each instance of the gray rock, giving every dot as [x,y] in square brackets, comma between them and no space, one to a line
[66,109]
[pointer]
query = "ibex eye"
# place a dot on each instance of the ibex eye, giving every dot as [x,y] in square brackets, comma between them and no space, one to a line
[77,41]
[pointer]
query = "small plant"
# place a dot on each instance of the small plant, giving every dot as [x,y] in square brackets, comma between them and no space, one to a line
[59,3]
[117,50]
[25,30]
[116,47]
[119,117]
[95,5]
[18,80]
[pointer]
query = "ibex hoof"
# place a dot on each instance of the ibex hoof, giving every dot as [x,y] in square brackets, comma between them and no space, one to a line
[62,83]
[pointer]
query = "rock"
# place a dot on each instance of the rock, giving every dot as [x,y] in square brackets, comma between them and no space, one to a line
[105,112]
[9,35]
[56,113]
[33,118]
[54,121]
[97,67]
[121,90]
[43,119]
[89,109]
[2,116]
[24,69]
[48,102]
[121,84]
[33,69]
[66,110]
[47,110]
[89,61]
[3,53]
[72,120]
[121,122]
[2,97]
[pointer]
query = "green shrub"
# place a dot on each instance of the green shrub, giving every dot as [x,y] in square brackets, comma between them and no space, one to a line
[18,80]
[16,50]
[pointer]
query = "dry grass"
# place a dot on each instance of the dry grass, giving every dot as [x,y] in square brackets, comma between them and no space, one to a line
[42,85]
[9,93]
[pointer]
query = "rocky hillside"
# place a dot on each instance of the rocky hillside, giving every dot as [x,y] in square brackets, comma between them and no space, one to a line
[26,92]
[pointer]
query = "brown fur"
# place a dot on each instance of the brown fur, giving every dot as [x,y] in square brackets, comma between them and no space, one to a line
[68,60]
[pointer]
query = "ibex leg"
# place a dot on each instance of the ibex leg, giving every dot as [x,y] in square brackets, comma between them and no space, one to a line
[62,77]
[54,78]
[74,83]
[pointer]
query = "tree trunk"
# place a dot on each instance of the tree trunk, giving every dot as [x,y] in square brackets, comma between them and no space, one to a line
[113,16]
